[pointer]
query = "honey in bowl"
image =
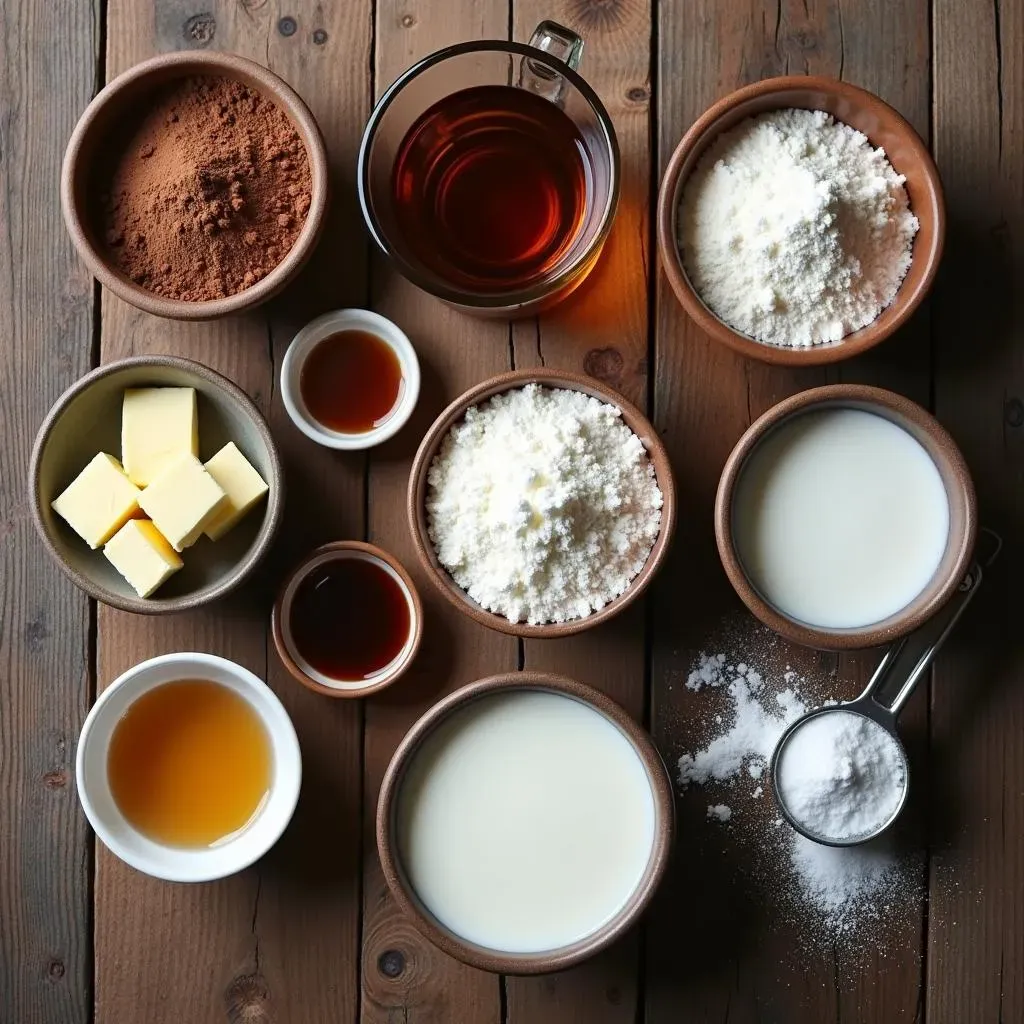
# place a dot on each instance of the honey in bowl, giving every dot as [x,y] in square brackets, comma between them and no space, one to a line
[349,619]
[351,382]
[190,763]
[490,188]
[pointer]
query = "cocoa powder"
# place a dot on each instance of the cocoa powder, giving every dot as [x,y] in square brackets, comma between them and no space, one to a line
[207,190]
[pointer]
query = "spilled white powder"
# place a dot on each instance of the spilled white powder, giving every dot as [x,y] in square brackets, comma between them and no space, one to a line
[719,812]
[542,504]
[794,230]
[835,893]
[841,775]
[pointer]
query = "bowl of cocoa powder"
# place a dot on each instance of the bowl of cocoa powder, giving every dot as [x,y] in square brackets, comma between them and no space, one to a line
[195,185]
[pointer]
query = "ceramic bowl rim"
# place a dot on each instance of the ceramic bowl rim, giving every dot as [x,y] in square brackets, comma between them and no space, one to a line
[282,734]
[549,960]
[201,62]
[344,549]
[510,381]
[307,339]
[702,133]
[943,451]
[272,513]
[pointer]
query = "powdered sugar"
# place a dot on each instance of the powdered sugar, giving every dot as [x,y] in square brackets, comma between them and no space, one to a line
[542,504]
[794,229]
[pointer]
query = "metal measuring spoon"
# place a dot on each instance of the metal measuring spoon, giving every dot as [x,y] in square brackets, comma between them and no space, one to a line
[883,698]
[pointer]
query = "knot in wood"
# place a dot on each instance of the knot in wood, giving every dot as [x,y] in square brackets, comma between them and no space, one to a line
[604,364]
[57,778]
[391,963]
[55,969]
[287,26]
[200,29]
[408,21]
[320,37]
[247,1000]
[600,15]
[638,94]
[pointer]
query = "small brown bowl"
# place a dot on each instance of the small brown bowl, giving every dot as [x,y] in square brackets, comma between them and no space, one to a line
[281,619]
[123,95]
[884,127]
[963,515]
[438,575]
[86,419]
[481,956]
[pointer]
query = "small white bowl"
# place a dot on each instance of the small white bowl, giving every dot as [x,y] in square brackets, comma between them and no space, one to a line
[174,863]
[323,327]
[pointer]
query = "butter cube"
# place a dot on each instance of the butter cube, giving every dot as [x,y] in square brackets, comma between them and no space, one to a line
[99,501]
[239,481]
[182,500]
[157,426]
[141,554]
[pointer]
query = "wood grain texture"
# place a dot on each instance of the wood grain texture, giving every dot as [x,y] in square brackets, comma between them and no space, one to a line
[280,940]
[405,978]
[730,963]
[976,932]
[46,307]
[601,330]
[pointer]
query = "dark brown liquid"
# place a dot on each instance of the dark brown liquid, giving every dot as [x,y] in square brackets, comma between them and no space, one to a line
[349,619]
[490,187]
[351,381]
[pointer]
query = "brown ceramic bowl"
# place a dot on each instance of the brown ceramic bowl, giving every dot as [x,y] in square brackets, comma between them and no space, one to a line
[438,575]
[86,419]
[124,94]
[388,844]
[963,515]
[884,127]
[292,657]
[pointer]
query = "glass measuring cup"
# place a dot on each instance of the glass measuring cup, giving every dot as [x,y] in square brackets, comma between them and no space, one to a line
[883,698]
[547,67]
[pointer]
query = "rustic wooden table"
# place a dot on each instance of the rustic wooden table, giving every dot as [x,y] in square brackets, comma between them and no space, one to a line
[310,933]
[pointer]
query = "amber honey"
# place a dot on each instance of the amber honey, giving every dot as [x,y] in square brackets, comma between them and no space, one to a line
[351,381]
[189,763]
[490,187]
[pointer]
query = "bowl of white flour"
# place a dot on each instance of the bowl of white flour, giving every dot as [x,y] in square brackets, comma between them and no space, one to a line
[800,221]
[541,503]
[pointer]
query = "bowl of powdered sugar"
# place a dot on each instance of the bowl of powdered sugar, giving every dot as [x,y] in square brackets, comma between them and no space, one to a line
[800,220]
[541,503]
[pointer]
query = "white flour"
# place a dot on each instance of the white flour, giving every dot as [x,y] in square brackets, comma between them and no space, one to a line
[841,776]
[833,892]
[542,504]
[794,230]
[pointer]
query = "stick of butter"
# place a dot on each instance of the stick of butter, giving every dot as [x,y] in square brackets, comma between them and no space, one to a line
[182,501]
[141,554]
[157,426]
[98,502]
[239,481]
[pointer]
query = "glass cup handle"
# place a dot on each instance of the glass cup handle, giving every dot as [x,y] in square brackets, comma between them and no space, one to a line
[559,42]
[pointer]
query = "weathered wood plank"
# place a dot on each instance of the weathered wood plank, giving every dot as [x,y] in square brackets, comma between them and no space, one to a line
[279,941]
[602,330]
[404,976]
[975,929]
[704,398]
[46,322]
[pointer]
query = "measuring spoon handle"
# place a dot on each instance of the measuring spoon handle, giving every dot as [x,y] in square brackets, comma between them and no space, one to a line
[908,659]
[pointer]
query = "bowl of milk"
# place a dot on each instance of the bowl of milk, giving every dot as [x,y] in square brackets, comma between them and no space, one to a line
[524,823]
[845,517]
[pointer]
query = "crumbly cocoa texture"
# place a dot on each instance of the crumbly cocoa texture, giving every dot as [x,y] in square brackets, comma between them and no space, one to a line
[207,191]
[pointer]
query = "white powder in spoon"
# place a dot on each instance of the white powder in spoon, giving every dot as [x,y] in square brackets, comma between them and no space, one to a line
[841,775]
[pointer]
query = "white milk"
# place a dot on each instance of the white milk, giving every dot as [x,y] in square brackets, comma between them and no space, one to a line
[525,822]
[840,518]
